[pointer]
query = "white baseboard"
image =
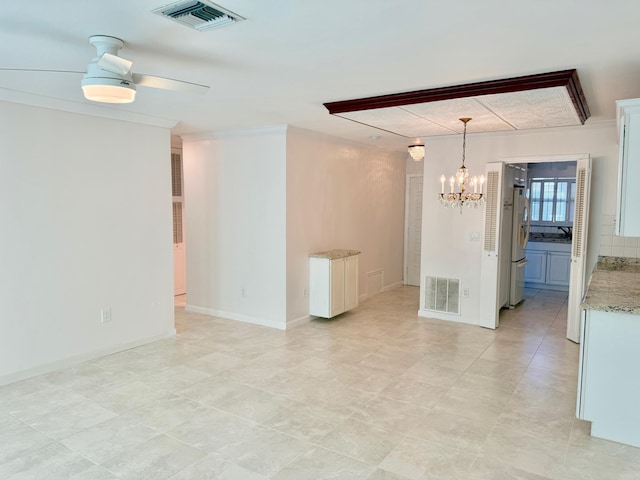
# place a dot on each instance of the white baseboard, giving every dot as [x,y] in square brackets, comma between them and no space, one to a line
[299,321]
[449,318]
[392,286]
[236,316]
[76,359]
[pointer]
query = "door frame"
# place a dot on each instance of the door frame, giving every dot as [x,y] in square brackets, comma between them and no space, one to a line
[405,269]
[489,291]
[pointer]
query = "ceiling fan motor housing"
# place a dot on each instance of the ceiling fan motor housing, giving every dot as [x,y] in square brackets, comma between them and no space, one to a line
[102,85]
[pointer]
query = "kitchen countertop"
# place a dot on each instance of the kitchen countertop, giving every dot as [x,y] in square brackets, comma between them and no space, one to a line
[548,237]
[334,254]
[614,286]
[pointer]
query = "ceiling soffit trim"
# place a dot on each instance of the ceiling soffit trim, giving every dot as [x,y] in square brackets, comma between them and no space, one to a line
[565,78]
[555,97]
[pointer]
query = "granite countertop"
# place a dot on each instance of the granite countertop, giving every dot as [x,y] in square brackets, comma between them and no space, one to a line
[549,237]
[337,253]
[614,286]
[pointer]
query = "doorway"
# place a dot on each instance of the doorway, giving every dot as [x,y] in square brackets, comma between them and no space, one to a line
[493,251]
[179,253]
[413,230]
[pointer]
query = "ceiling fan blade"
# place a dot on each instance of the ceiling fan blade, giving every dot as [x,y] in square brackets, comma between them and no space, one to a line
[38,70]
[169,84]
[114,64]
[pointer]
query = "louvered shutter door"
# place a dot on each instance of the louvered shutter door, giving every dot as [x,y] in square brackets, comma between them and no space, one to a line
[489,267]
[577,285]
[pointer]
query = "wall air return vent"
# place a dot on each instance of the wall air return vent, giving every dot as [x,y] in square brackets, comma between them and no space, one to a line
[199,15]
[442,295]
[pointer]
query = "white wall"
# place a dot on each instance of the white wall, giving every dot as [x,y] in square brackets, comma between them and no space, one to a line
[235,216]
[447,249]
[413,167]
[342,195]
[85,206]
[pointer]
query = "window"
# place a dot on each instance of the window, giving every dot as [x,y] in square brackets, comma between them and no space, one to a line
[552,200]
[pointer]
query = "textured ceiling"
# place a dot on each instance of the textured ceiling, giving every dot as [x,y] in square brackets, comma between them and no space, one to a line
[289,57]
[547,107]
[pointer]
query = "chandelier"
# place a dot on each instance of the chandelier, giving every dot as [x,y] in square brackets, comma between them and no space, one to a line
[416,151]
[463,197]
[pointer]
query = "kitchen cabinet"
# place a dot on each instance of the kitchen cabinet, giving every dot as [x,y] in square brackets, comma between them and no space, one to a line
[608,388]
[549,265]
[558,268]
[608,380]
[536,269]
[628,220]
[333,282]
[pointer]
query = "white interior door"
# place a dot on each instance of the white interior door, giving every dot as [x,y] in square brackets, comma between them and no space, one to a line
[413,231]
[179,253]
[491,251]
[578,282]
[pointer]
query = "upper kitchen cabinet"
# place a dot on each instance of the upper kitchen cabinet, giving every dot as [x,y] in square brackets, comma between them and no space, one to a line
[628,219]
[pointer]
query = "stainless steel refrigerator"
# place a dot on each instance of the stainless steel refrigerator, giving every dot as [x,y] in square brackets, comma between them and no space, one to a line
[520,237]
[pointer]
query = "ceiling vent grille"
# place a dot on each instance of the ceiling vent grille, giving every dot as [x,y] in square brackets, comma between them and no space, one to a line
[199,15]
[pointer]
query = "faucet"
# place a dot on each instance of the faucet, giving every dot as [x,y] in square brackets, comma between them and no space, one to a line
[568,233]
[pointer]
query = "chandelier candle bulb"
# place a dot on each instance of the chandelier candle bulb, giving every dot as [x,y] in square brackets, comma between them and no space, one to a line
[442,179]
[475,184]
[452,182]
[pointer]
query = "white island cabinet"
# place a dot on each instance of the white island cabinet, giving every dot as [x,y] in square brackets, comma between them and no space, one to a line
[333,282]
[608,379]
[628,220]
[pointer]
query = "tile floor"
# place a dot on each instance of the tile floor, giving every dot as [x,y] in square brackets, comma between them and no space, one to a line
[377,393]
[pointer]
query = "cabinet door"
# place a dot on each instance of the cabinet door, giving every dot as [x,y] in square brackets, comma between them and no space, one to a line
[628,223]
[351,282]
[558,268]
[536,269]
[337,286]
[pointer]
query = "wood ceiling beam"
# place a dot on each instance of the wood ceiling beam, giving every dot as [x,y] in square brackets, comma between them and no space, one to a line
[564,78]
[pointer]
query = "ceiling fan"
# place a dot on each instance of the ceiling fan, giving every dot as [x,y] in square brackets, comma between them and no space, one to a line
[109,78]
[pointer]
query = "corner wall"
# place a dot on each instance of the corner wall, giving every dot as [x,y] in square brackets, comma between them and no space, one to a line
[342,195]
[235,217]
[85,204]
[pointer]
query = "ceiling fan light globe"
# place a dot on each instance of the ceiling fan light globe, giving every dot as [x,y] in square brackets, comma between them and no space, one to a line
[108,90]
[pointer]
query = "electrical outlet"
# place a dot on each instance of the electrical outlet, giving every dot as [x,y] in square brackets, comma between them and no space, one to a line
[465,292]
[243,293]
[306,292]
[105,315]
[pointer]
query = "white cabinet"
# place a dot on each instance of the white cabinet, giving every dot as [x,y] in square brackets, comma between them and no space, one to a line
[608,381]
[628,220]
[558,268]
[333,282]
[549,265]
[536,269]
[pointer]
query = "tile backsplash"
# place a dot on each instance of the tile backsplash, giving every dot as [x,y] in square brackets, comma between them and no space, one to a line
[613,246]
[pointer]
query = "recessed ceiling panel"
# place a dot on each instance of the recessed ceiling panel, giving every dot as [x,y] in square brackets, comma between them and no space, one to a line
[448,112]
[546,107]
[398,121]
[552,99]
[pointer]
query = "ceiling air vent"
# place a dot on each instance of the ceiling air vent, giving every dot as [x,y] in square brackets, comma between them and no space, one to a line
[199,15]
